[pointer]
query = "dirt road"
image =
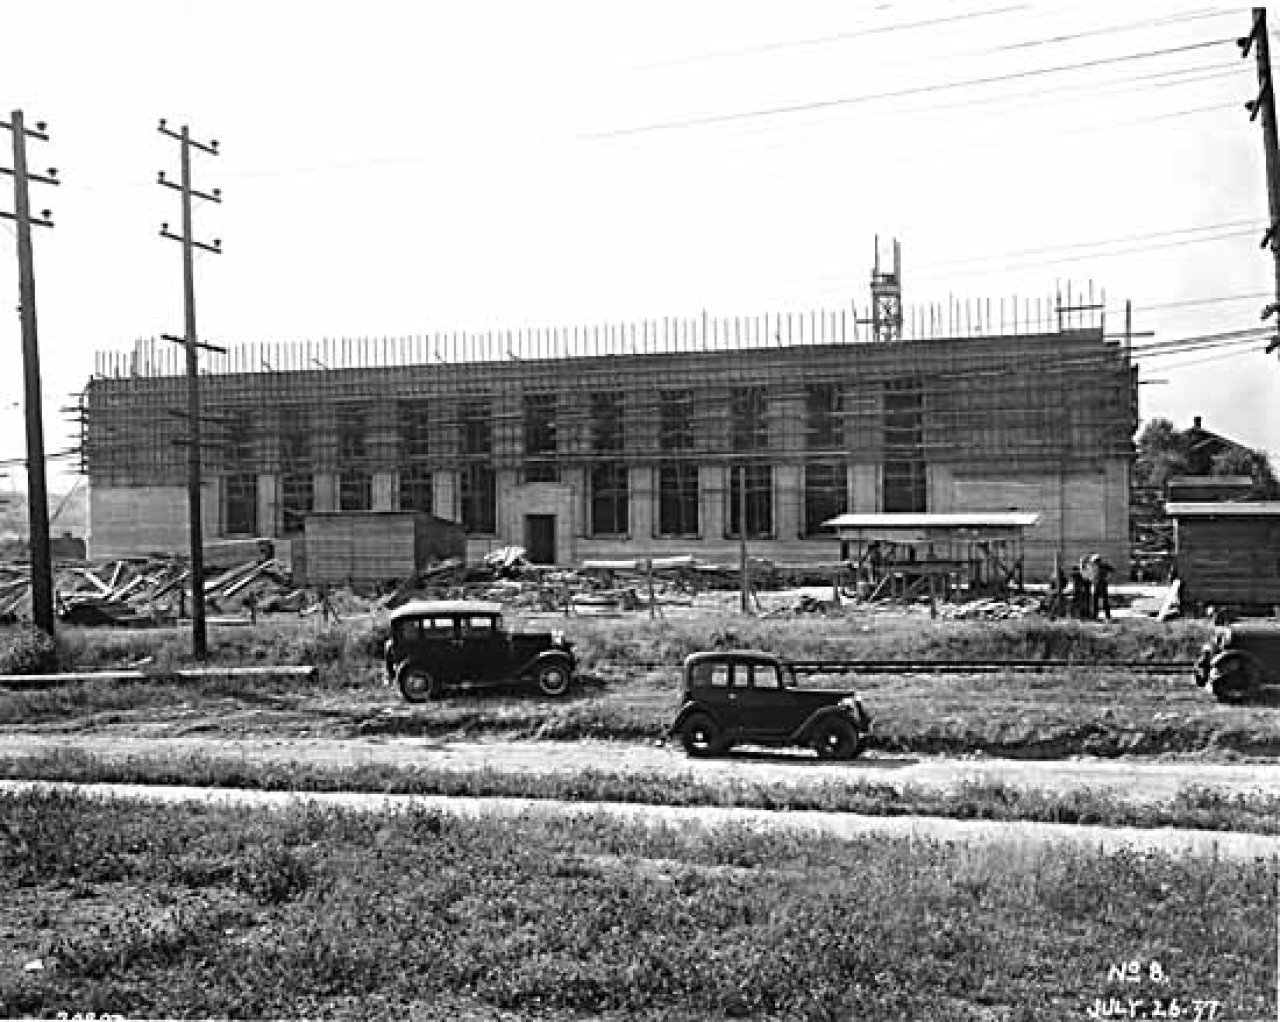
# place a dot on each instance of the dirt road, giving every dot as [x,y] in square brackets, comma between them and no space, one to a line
[841,825]
[1135,779]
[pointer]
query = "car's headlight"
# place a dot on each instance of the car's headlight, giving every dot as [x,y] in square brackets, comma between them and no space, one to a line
[557,638]
[851,704]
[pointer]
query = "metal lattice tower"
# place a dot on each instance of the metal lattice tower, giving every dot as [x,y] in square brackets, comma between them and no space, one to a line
[886,296]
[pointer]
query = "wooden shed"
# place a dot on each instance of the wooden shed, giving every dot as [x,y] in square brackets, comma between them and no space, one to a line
[362,547]
[1227,552]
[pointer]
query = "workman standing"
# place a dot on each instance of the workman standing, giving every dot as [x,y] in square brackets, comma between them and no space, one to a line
[1101,570]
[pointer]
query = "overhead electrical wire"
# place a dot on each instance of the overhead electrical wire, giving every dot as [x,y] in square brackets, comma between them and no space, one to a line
[841,37]
[1181,346]
[999,105]
[917,90]
[1192,302]
[1174,19]
[1254,223]
[1033,263]
[830,38]
[1219,357]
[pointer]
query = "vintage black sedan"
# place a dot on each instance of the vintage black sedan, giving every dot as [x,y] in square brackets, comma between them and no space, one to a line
[1240,660]
[751,697]
[438,644]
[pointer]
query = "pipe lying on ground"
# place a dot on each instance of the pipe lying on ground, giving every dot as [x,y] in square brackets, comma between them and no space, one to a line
[183,674]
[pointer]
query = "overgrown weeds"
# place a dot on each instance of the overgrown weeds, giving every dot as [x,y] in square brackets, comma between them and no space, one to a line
[554,917]
[28,651]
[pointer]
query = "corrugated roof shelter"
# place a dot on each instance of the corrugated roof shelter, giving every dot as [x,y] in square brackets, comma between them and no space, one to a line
[890,525]
[908,554]
[1227,552]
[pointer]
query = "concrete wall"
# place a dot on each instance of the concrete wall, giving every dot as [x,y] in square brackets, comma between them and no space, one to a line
[1080,512]
[135,520]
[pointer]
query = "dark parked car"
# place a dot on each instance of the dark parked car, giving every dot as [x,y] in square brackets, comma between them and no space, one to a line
[436,644]
[746,696]
[1240,660]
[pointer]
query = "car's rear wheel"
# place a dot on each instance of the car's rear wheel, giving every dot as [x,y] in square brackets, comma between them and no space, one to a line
[835,738]
[701,736]
[554,678]
[417,685]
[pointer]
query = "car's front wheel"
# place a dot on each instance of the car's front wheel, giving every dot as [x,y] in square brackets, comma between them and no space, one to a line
[554,678]
[701,736]
[417,686]
[835,738]
[1233,685]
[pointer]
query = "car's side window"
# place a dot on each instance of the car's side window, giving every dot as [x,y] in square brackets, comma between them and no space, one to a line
[438,628]
[478,627]
[409,631]
[764,676]
[720,675]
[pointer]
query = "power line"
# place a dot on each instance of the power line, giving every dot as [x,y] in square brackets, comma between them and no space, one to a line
[1181,345]
[1192,302]
[998,105]
[840,37]
[918,90]
[1115,29]
[1220,356]
[1031,264]
[831,38]
[1253,223]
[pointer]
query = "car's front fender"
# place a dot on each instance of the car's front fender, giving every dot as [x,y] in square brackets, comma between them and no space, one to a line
[689,709]
[802,734]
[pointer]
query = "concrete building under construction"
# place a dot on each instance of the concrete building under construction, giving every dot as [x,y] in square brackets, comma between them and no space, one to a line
[654,438]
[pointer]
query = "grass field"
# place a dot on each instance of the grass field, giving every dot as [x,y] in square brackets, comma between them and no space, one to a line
[1089,710]
[1192,807]
[156,912]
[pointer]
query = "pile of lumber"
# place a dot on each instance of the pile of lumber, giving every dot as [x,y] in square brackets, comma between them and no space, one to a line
[990,610]
[136,591]
[15,593]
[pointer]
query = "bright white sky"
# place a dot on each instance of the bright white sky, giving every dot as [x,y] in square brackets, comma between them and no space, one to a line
[402,167]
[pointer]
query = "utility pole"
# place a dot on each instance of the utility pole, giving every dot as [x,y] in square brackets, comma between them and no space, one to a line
[199,638]
[37,490]
[744,577]
[1265,104]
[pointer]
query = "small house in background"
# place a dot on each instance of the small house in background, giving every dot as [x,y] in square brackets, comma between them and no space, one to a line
[1183,489]
[1204,445]
[1227,553]
[369,547]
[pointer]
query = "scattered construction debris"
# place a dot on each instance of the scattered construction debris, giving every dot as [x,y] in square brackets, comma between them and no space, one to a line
[150,591]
